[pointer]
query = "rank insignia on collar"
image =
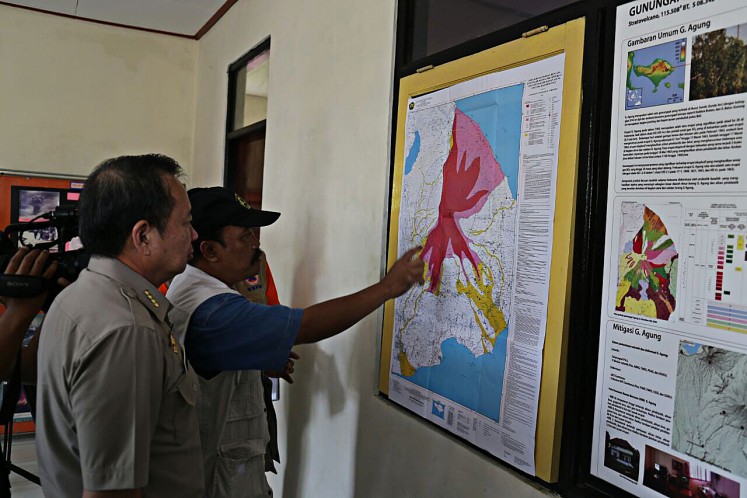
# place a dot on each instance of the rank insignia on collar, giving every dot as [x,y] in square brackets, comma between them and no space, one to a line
[151,298]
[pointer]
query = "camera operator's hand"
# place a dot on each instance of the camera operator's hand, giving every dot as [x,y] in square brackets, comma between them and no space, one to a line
[31,263]
[19,313]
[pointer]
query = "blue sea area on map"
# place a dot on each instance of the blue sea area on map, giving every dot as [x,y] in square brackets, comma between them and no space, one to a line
[412,156]
[473,382]
[690,349]
[498,114]
[644,93]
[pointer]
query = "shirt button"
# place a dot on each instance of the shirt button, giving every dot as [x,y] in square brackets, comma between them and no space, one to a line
[194,387]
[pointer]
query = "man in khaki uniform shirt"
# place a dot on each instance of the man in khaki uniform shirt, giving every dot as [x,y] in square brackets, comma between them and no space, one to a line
[116,414]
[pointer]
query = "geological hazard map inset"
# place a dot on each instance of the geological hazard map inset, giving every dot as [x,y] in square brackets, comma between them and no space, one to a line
[647,264]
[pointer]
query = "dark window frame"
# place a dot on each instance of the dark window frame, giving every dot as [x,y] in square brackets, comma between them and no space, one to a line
[234,136]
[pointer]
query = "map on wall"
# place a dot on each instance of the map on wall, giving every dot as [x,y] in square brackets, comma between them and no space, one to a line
[479,163]
[459,203]
[656,75]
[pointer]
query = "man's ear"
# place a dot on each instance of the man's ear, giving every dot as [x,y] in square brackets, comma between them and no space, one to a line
[209,250]
[140,237]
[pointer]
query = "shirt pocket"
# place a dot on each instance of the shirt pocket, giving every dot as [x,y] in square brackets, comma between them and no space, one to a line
[246,417]
[240,471]
[240,464]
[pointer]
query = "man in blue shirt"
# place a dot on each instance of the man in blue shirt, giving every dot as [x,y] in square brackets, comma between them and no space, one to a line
[226,334]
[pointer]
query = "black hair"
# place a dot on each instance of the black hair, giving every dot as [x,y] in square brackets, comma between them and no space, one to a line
[119,193]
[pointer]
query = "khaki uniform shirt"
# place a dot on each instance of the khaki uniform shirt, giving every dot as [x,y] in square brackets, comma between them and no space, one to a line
[116,400]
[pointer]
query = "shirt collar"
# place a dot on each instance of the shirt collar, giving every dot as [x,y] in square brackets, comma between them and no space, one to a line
[131,280]
[195,273]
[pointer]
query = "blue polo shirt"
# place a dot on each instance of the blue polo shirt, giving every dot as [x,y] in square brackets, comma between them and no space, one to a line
[227,332]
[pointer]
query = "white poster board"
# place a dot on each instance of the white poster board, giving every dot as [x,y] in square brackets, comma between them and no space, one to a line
[671,397]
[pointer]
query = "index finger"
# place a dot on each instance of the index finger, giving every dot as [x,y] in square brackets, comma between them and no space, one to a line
[411,253]
[295,355]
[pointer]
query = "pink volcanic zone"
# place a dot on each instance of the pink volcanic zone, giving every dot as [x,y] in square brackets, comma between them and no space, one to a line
[471,173]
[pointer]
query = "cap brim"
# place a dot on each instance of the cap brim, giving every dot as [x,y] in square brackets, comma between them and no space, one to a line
[255,218]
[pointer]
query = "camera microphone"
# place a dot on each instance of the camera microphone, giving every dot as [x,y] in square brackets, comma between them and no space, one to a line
[62,214]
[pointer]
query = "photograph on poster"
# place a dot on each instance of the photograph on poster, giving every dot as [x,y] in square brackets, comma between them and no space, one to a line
[656,75]
[648,262]
[709,408]
[622,457]
[32,203]
[675,477]
[28,203]
[719,64]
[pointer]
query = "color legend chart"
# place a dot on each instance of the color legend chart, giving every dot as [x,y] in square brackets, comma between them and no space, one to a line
[715,269]
[730,265]
[730,281]
[720,274]
[727,317]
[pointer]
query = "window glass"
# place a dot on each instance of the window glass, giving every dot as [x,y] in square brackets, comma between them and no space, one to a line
[252,83]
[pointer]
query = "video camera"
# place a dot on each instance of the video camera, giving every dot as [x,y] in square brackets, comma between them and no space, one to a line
[54,233]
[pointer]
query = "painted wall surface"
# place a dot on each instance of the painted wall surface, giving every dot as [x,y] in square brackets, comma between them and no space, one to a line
[327,171]
[73,93]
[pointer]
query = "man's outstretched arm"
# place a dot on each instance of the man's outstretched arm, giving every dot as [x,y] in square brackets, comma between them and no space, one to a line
[329,318]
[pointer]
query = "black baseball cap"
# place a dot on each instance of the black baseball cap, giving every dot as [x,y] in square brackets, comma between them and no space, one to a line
[217,207]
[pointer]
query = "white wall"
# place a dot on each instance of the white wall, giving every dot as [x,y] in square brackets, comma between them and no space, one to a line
[73,93]
[327,162]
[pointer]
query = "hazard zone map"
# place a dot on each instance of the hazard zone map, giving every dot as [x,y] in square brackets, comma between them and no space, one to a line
[472,154]
[463,212]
